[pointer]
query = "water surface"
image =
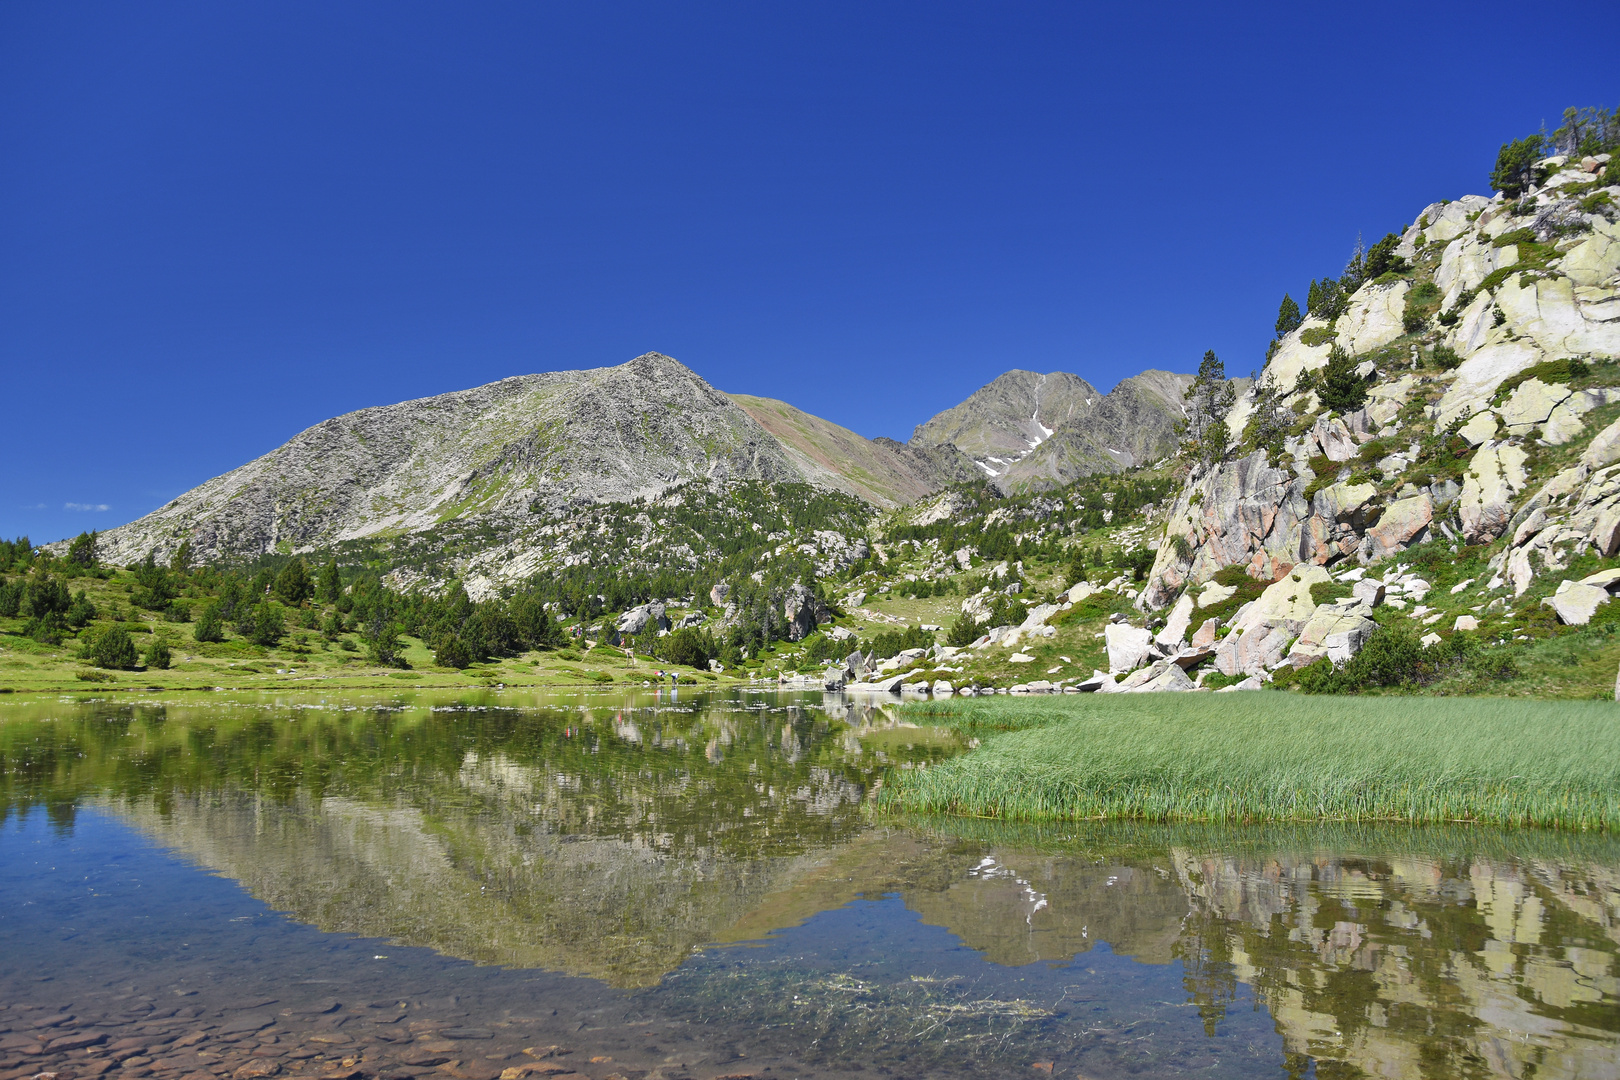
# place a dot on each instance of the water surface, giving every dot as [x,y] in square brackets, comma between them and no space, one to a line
[628,885]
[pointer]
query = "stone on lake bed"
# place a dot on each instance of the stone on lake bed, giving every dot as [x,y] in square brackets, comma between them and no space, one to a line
[247,1023]
[257,1068]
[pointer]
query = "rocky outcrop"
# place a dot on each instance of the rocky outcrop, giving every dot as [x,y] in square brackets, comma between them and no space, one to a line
[804,611]
[1329,499]
[639,618]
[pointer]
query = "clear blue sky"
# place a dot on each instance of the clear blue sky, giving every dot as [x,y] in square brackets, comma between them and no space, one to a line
[223,222]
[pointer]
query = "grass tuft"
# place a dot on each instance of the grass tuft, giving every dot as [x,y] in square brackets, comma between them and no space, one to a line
[1255,757]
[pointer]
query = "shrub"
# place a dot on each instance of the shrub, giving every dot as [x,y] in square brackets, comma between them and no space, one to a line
[46,596]
[210,624]
[1392,656]
[82,552]
[81,610]
[1318,335]
[695,648]
[157,654]
[1445,358]
[267,624]
[1342,390]
[11,598]
[964,632]
[112,648]
[1381,260]
[1004,611]
[893,642]
[451,653]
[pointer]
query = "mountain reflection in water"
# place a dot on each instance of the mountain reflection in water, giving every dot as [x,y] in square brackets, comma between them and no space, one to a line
[618,839]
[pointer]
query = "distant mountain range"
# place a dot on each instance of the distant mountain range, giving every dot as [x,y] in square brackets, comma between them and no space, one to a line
[540,444]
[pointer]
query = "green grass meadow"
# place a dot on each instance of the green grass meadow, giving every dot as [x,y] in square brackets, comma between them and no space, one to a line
[1255,757]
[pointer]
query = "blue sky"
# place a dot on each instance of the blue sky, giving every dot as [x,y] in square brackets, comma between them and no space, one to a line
[221,223]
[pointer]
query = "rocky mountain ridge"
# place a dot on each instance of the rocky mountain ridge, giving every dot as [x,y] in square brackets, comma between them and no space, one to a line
[1025,429]
[503,471]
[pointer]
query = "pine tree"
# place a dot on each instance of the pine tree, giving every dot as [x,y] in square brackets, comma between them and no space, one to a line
[113,649]
[180,561]
[1209,399]
[293,584]
[1341,389]
[1288,319]
[331,583]
[1515,163]
[82,552]
[1355,270]
[210,623]
[1269,422]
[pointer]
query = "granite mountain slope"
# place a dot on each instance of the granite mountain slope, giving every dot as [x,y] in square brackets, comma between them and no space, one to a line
[1025,429]
[502,451]
[500,460]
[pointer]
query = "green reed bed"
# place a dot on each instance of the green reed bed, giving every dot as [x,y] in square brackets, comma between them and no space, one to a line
[1272,757]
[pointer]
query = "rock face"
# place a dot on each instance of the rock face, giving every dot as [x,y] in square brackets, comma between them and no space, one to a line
[532,441]
[1495,475]
[638,619]
[804,611]
[1028,429]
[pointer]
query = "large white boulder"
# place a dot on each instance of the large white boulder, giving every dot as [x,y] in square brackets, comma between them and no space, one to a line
[1467,262]
[1346,620]
[1576,603]
[1481,427]
[1531,402]
[1293,356]
[1128,646]
[1337,443]
[1443,221]
[1401,523]
[1595,261]
[1172,678]
[1286,602]
[1604,449]
[1175,627]
[1548,311]
[1495,475]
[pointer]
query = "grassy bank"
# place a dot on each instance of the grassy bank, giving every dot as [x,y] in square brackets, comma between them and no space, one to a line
[1273,757]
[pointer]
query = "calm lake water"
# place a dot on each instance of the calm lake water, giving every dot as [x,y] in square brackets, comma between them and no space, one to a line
[632,886]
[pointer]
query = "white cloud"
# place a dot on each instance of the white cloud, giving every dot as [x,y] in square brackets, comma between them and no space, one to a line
[93,507]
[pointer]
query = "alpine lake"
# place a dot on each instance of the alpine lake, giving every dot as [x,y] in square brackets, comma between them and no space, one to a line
[636,884]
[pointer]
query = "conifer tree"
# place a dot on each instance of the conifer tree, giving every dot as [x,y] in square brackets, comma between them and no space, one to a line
[1288,319]
[293,584]
[82,552]
[210,623]
[1209,399]
[1341,389]
[331,583]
